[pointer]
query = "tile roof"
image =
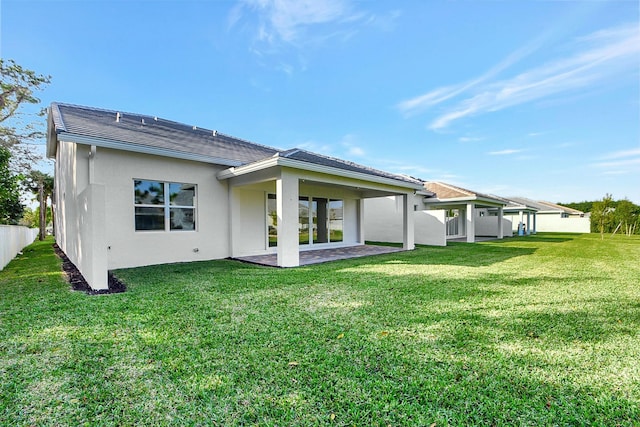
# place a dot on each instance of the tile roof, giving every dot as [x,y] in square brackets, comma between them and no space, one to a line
[156,133]
[545,206]
[138,129]
[447,191]
[319,159]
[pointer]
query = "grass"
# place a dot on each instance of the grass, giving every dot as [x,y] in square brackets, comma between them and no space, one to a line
[527,331]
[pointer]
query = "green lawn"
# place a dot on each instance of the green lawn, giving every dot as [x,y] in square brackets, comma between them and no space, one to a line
[527,331]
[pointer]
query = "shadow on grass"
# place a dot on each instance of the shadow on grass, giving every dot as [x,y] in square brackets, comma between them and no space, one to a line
[239,345]
[458,254]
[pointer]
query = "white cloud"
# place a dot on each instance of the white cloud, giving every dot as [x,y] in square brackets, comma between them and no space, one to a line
[434,97]
[356,151]
[288,21]
[349,141]
[598,57]
[620,162]
[624,153]
[506,152]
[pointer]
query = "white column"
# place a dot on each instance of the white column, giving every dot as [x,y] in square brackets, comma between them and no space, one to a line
[287,211]
[408,237]
[500,215]
[534,223]
[528,223]
[361,232]
[471,223]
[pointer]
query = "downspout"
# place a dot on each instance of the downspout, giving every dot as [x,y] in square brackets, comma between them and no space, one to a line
[92,156]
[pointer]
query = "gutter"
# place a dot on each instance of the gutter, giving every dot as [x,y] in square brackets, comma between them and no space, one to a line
[145,149]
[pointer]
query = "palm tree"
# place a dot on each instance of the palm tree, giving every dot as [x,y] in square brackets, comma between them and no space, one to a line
[40,184]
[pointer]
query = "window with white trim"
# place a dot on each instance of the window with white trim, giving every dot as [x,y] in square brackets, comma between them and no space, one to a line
[164,206]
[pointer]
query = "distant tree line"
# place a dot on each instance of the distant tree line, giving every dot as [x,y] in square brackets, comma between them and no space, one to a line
[610,216]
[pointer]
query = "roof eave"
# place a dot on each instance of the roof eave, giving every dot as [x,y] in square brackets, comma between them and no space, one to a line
[144,149]
[312,167]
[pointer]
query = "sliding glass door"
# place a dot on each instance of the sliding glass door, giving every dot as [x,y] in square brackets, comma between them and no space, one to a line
[320,220]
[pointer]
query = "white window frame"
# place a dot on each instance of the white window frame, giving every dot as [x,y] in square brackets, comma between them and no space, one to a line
[167,206]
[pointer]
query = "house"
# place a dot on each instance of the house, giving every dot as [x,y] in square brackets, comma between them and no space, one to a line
[469,214]
[384,215]
[442,212]
[135,190]
[550,217]
[522,216]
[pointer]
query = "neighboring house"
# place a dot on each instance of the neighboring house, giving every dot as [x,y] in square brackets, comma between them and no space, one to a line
[469,214]
[384,215]
[551,217]
[522,216]
[135,190]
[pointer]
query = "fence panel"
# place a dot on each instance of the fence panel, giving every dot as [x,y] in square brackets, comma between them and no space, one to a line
[13,239]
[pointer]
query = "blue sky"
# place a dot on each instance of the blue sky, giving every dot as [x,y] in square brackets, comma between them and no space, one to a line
[538,99]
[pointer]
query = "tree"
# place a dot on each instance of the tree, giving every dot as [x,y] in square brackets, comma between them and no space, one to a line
[17,88]
[626,216]
[602,215]
[581,206]
[10,207]
[40,184]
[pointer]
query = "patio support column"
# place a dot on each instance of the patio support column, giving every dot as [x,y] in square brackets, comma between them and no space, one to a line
[528,223]
[500,217]
[361,232]
[287,212]
[408,237]
[471,224]
[534,223]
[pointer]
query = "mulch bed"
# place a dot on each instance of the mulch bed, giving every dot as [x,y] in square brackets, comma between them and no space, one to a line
[79,283]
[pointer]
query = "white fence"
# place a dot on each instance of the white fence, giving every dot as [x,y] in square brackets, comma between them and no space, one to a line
[12,239]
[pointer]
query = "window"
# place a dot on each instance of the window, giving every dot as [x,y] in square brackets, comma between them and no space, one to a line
[320,220]
[164,206]
[272,220]
[335,220]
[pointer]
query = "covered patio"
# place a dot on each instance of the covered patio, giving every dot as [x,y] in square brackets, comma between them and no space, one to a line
[298,208]
[319,256]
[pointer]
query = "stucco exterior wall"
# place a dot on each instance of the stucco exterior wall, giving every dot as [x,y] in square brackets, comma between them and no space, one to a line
[430,228]
[488,226]
[383,222]
[127,247]
[80,213]
[554,223]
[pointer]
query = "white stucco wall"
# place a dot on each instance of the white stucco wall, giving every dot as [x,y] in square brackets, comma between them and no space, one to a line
[553,223]
[80,214]
[488,226]
[13,239]
[127,247]
[248,221]
[430,227]
[383,222]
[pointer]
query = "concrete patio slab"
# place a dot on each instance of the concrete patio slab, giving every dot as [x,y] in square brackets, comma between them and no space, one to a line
[323,255]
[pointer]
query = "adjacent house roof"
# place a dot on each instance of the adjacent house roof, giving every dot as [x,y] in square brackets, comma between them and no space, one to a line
[515,206]
[153,135]
[545,207]
[451,193]
[565,209]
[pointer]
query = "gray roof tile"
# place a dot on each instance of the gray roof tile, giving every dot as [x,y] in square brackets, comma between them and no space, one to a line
[154,132]
[150,131]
